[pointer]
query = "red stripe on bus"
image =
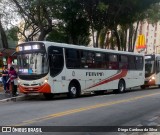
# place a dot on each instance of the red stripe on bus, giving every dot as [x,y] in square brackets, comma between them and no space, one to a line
[122,74]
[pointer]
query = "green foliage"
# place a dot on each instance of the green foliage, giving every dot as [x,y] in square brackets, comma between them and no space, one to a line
[153,13]
[75,19]
[102,7]
[12,34]
[75,24]
[57,35]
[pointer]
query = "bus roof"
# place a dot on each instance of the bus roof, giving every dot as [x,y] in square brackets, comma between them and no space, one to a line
[152,55]
[48,43]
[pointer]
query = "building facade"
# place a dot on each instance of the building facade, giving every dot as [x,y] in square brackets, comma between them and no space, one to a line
[152,36]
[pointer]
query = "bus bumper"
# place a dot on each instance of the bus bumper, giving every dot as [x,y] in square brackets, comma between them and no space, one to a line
[45,88]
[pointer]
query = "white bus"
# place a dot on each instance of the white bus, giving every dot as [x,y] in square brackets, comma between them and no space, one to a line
[152,70]
[52,68]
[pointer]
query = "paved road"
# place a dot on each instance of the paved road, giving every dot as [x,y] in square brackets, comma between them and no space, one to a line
[133,108]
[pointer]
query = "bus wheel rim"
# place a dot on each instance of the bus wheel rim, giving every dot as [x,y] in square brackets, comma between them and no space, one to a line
[73,90]
[121,87]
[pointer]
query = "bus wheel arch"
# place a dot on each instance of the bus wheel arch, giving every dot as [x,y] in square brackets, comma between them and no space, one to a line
[74,89]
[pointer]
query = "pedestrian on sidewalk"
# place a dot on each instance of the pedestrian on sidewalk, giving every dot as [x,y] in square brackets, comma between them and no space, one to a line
[5,78]
[13,81]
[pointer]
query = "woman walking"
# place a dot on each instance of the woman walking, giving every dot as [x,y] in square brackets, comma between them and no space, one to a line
[13,78]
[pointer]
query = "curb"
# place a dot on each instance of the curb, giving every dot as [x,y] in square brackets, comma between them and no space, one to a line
[12,99]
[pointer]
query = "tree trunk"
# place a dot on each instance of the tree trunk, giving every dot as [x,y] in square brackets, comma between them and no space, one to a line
[103,37]
[3,36]
[93,37]
[135,36]
[118,40]
[107,40]
[130,39]
[42,35]
[97,39]
[125,39]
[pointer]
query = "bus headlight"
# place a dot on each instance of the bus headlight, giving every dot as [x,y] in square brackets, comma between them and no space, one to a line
[153,78]
[46,80]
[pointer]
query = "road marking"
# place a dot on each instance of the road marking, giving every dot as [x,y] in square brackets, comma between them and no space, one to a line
[139,125]
[154,118]
[152,124]
[68,112]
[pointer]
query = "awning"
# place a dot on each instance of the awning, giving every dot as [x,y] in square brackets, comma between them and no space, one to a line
[7,52]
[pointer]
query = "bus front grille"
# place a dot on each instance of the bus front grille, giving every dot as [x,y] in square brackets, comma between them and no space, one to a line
[32,89]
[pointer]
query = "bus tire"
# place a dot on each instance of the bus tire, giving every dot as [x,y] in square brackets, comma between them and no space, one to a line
[121,86]
[48,96]
[73,90]
[143,86]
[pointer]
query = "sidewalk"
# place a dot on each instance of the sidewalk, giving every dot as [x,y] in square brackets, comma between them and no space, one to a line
[6,96]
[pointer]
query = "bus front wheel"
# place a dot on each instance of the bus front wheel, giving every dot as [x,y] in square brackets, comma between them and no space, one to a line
[73,90]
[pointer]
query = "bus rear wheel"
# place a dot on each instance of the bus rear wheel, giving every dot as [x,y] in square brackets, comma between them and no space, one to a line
[73,90]
[48,96]
[121,87]
[143,86]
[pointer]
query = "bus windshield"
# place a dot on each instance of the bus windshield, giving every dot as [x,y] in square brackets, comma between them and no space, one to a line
[149,67]
[32,64]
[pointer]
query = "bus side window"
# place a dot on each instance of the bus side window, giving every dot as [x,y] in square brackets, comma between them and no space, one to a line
[83,59]
[131,64]
[106,61]
[158,66]
[91,60]
[72,58]
[100,60]
[139,63]
[123,64]
[113,61]
[56,61]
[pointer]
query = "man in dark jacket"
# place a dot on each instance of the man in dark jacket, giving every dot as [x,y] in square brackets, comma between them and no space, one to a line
[5,78]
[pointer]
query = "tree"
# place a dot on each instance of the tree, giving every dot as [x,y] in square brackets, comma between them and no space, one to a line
[74,18]
[58,35]
[153,13]
[2,30]
[38,14]
[113,15]
[12,34]
[43,17]
[3,36]
[96,13]
[74,24]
